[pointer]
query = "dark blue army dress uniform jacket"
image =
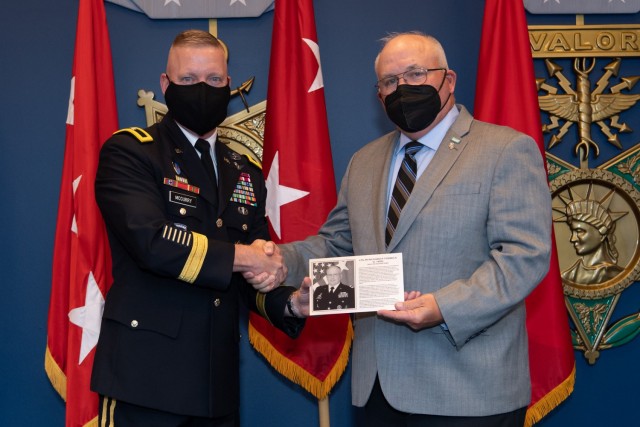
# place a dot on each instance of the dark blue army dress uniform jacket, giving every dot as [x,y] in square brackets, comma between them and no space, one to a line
[170,332]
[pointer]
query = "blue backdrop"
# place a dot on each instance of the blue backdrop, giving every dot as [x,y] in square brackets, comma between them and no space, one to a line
[37,54]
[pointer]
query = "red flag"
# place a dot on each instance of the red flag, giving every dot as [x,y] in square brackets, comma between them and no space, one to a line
[81,259]
[301,191]
[506,94]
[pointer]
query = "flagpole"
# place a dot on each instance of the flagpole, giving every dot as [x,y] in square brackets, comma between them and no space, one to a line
[323,411]
[213,27]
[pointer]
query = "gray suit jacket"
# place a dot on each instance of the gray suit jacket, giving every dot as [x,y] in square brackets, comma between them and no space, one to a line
[475,233]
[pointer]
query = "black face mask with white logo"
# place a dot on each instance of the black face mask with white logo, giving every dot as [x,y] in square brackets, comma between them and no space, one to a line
[198,107]
[414,107]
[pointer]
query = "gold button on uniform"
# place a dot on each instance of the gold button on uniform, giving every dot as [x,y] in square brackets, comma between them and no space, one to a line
[134,323]
[245,227]
[216,302]
[183,211]
[219,222]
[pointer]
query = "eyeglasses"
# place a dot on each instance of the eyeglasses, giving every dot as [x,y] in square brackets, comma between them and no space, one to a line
[414,76]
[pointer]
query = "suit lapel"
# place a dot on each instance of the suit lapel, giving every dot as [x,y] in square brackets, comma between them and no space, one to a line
[445,157]
[379,189]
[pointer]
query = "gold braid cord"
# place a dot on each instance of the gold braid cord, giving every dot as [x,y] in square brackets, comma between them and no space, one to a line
[194,263]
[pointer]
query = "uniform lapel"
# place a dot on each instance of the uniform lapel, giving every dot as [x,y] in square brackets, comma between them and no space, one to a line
[230,165]
[187,159]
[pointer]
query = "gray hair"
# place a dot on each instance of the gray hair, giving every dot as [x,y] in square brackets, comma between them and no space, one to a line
[428,38]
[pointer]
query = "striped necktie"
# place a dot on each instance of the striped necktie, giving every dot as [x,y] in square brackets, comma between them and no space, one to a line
[402,189]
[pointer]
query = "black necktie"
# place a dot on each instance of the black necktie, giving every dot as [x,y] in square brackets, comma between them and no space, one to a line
[402,189]
[205,156]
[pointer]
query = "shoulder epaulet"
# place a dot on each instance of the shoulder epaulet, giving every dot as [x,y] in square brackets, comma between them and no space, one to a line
[140,134]
[254,161]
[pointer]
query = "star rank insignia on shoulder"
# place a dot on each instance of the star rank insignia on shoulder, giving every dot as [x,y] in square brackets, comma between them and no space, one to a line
[140,134]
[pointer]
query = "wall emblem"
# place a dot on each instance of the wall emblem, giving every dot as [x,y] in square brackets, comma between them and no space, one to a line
[587,97]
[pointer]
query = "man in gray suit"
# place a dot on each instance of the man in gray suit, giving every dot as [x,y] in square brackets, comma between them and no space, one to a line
[475,237]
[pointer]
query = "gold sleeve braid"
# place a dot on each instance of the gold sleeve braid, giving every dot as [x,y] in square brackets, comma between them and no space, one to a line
[261,301]
[196,257]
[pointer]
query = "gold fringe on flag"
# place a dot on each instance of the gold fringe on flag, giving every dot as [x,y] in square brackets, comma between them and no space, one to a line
[59,381]
[552,399]
[294,372]
[57,378]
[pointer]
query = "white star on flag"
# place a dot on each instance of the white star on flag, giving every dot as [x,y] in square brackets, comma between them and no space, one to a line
[70,110]
[74,224]
[235,1]
[88,317]
[342,265]
[318,83]
[278,195]
[166,2]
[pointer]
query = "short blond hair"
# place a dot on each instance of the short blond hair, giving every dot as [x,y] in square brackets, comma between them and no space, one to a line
[196,38]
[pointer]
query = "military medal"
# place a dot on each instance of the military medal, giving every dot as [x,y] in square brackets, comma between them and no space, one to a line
[243,193]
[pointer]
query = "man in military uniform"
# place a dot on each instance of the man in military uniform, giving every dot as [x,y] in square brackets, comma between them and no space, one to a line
[185,216]
[335,294]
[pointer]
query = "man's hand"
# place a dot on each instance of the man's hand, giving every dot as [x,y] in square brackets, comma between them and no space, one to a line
[300,299]
[261,259]
[263,279]
[417,311]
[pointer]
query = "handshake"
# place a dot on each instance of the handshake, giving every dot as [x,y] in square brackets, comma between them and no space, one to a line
[262,265]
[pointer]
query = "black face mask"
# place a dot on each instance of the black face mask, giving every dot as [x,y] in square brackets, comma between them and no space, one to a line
[198,107]
[414,107]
